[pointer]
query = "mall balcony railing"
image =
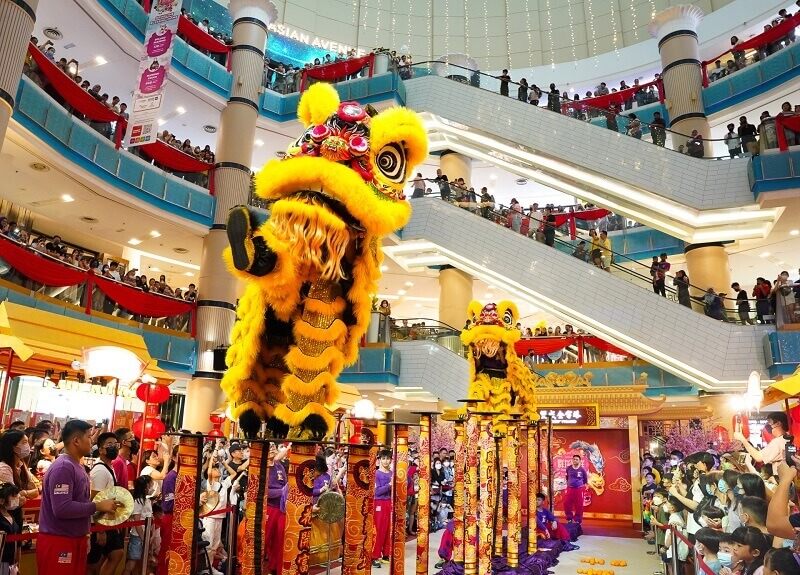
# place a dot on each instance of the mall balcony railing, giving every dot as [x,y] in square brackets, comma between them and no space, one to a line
[617,263]
[77,142]
[422,328]
[42,274]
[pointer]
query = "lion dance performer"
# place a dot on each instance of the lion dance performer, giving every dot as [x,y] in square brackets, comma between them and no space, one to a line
[498,377]
[312,267]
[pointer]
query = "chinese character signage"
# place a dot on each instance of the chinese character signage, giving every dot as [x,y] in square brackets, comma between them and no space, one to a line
[151,78]
[572,416]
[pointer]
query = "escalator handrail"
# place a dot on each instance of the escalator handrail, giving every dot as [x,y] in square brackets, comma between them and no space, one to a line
[576,102]
[638,275]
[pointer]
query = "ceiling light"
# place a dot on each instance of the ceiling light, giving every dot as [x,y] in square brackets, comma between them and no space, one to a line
[781,263]
[794,233]
[180,250]
[766,255]
[161,121]
[134,241]
[210,129]
[99,60]
[384,268]
[152,269]
[67,198]
[401,292]
[39,167]
[258,143]
[180,110]
[189,274]
[493,177]
[417,305]
[155,234]
[409,284]
[488,295]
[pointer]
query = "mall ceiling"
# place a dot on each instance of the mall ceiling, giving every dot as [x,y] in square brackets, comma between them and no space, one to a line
[497,33]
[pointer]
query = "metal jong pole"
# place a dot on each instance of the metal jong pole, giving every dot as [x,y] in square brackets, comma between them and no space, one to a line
[674,549]
[148,525]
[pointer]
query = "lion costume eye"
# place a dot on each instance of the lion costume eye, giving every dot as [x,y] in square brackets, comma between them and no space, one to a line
[391,161]
[508,317]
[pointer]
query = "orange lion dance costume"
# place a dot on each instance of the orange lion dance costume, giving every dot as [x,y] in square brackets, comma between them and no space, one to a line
[312,268]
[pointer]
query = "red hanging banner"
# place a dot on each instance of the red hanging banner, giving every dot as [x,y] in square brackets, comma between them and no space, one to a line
[81,100]
[40,267]
[338,70]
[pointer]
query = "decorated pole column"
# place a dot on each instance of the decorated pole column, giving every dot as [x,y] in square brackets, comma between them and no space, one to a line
[424,493]
[487,454]
[501,458]
[459,492]
[359,532]
[252,552]
[533,482]
[400,498]
[472,433]
[512,454]
[182,553]
[297,538]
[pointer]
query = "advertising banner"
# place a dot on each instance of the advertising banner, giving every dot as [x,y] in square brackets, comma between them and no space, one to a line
[151,78]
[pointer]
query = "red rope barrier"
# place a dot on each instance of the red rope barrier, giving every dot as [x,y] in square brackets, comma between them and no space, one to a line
[222,511]
[94,529]
[700,563]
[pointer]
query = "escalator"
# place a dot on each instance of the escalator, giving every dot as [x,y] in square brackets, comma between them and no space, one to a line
[694,200]
[712,354]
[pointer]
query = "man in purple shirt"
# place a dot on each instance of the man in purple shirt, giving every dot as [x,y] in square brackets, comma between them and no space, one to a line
[277,491]
[65,515]
[576,485]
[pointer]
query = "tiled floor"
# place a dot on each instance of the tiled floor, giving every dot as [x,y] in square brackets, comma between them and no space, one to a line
[634,551]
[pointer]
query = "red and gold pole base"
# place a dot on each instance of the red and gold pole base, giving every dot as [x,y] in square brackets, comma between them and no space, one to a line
[252,554]
[424,493]
[297,540]
[472,434]
[512,455]
[182,556]
[458,492]
[359,533]
[533,482]
[488,491]
[400,497]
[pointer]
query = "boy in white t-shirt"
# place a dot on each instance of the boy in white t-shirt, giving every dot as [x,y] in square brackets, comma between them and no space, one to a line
[212,524]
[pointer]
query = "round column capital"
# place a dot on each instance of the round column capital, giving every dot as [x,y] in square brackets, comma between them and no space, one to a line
[263,10]
[683,17]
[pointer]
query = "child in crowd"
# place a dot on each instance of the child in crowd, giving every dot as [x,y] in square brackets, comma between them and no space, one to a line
[142,509]
[383,509]
[9,500]
[781,562]
[707,545]
[749,547]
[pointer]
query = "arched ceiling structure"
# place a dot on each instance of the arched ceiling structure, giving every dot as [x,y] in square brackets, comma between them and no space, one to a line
[497,33]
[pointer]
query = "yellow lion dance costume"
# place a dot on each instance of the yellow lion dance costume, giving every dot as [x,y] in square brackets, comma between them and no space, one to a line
[498,377]
[312,268]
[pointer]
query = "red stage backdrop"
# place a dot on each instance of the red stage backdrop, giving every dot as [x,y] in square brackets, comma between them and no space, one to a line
[606,458]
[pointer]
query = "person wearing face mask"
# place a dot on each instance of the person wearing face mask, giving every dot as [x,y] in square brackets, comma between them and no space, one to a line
[126,439]
[9,501]
[726,486]
[749,547]
[659,518]
[142,509]
[158,461]
[672,544]
[106,547]
[14,453]
[775,451]
[707,546]
[697,465]
[753,513]
[725,554]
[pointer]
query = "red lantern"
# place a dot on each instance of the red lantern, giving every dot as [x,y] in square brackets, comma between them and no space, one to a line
[721,433]
[742,424]
[355,437]
[155,428]
[216,419]
[157,393]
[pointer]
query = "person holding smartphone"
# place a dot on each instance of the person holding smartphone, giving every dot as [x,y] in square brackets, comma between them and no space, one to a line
[775,451]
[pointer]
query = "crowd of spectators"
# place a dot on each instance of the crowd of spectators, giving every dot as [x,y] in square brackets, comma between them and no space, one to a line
[737,509]
[70,68]
[110,129]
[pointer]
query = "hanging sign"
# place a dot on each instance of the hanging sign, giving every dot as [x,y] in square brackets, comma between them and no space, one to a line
[151,77]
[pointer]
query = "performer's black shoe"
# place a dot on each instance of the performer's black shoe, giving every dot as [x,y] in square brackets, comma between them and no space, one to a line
[376,563]
[240,237]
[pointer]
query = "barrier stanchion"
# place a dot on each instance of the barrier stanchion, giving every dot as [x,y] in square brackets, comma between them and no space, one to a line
[232,525]
[148,527]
